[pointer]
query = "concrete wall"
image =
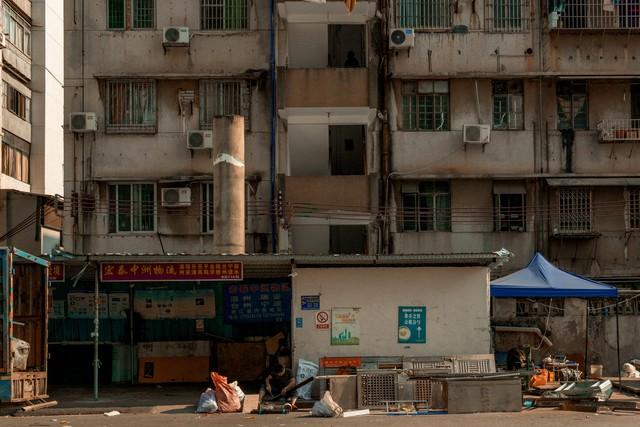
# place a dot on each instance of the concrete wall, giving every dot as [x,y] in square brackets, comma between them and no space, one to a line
[456,301]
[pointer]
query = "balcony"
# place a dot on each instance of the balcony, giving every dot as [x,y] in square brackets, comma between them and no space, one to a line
[327,87]
[619,130]
[595,15]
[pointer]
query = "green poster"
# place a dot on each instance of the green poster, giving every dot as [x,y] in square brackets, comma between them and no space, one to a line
[345,329]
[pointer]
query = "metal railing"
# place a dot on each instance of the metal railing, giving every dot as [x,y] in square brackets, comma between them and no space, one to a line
[507,16]
[613,130]
[424,14]
[594,14]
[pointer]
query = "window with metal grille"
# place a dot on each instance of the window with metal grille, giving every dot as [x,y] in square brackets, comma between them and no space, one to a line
[633,208]
[132,208]
[508,100]
[575,210]
[533,307]
[425,105]
[17,30]
[131,106]
[206,217]
[143,14]
[115,14]
[424,14]
[572,105]
[222,98]
[507,16]
[16,102]
[609,306]
[15,163]
[426,206]
[223,14]
[510,212]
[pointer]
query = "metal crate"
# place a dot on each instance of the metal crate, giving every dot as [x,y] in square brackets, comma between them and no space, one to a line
[376,386]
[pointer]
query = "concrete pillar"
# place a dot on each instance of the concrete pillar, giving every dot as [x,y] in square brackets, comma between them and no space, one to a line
[228,185]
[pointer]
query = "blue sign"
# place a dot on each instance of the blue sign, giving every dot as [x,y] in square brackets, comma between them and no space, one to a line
[298,322]
[256,303]
[310,302]
[412,325]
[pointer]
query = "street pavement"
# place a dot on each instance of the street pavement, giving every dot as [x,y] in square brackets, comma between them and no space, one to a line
[537,417]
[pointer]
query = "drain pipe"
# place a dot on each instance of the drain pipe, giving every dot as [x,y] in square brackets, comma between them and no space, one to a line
[272,37]
[96,328]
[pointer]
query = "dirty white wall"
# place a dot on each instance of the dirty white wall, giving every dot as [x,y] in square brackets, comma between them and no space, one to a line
[456,300]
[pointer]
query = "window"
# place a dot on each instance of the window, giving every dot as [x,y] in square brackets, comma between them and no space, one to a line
[206,217]
[130,14]
[16,102]
[424,14]
[17,29]
[575,210]
[221,98]
[572,105]
[15,162]
[426,206]
[131,208]
[509,212]
[539,307]
[609,306]
[425,105]
[223,14]
[633,208]
[348,239]
[507,16]
[508,102]
[131,106]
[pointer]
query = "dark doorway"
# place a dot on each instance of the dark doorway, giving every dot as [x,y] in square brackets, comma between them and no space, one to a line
[346,46]
[347,150]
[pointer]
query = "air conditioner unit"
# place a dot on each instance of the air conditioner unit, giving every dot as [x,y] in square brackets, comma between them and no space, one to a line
[175,36]
[83,122]
[3,40]
[476,134]
[176,197]
[200,139]
[402,38]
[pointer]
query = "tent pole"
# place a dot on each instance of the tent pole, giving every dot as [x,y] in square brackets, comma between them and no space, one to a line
[586,343]
[618,339]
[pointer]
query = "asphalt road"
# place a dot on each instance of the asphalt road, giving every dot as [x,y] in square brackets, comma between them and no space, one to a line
[540,417]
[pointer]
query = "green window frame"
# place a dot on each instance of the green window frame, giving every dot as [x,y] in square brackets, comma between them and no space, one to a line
[143,14]
[573,105]
[426,206]
[224,14]
[507,16]
[424,14]
[425,105]
[132,208]
[116,14]
[508,105]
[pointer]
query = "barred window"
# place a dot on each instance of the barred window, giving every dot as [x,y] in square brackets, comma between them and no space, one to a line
[223,98]
[131,106]
[115,14]
[206,217]
[143,14]
[609,306]
[633,208]
[131,14]
[534,307]
[424,14]
[131,208]
[507,16]
[572,105]
[223,14]
[508,100]
[16,102]
[426,206]
[17,29]
[510,212]
[575,210]
[15,162]
[425,105]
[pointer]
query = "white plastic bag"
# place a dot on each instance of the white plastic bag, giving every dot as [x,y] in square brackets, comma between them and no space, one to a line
[326,407]
[241,394]
[306,370]
[207,403]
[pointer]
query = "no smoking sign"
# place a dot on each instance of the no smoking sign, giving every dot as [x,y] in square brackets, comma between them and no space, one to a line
[322,320]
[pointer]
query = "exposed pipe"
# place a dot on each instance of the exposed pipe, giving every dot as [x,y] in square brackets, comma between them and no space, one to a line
[96,329]
[273,127]
[618,340]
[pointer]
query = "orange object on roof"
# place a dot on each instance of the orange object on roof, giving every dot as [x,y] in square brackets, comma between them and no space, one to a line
[350,4]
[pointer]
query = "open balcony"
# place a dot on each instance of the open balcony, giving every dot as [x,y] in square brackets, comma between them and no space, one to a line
[594,15]
[619,130]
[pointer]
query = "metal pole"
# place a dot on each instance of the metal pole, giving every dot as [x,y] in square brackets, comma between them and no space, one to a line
[618,340]
[96,327]
[586,343]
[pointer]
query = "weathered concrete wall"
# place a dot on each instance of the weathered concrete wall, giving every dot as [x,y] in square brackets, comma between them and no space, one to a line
[456,301]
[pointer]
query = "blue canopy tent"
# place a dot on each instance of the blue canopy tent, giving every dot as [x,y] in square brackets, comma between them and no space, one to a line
[541,279]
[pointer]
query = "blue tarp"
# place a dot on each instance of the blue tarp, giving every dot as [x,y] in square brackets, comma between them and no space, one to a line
[541,279]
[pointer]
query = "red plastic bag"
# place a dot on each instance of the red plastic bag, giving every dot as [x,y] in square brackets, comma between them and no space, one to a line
[226,395]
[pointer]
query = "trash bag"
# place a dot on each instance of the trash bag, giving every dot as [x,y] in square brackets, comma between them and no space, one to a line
[19,354]
[238,390]
[326,407]
[207,403]
[306,370]
[226,395]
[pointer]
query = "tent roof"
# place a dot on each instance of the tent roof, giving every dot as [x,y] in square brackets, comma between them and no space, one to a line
[540,278]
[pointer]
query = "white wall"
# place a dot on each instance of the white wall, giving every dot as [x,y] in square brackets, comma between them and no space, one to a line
[456,298]
[309,150]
